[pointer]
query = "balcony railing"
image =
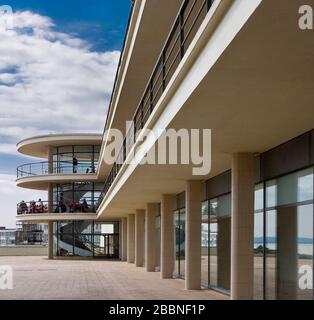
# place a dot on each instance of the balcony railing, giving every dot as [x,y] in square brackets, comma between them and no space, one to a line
[86,205]
[55,167]
[190,17]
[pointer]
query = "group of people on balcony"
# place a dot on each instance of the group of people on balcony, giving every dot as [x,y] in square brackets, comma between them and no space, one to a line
[33,207]
[73,206]
[39,207]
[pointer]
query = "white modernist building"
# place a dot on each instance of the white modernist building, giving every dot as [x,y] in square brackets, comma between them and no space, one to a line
[243,69]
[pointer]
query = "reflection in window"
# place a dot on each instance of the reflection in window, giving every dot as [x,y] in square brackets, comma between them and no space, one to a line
[305,250]
[271,254]
[158,239]
[176,243]
[205,244]
[259,197]
[213,253]
[271,194]
[179,242]
[305,185]
[182,243]
[288,238]
[258,255]
[216,242]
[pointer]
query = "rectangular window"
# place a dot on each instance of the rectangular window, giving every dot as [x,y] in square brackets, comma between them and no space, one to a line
[205,244]
[216,242]
[86,239]
[259,242]
[176,217]
[286,249]
[305,252]
[179,243]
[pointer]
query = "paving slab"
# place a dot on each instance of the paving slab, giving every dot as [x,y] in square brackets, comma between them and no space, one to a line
[37,278]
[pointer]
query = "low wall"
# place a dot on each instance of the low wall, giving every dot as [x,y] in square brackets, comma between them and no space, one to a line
[24,251]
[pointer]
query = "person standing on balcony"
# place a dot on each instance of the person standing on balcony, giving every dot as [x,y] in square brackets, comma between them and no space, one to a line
[85,207]
[75,163]
[40,206]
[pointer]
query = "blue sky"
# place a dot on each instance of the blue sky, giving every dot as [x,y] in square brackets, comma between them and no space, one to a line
[102,22]
[57,68]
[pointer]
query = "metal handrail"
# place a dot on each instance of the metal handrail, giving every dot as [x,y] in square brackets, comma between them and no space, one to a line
[141,116]
[70,206]
[56,167]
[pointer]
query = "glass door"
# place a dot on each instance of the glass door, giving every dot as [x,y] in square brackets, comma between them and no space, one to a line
[106,246]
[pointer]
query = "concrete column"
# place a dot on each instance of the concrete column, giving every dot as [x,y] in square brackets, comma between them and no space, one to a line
[131,238]
[124,240]
[50,240]
[167,237]
[120,239]
[50,198]
[150,237]
[50,160]
[139,238]
[193,235]
[242,226]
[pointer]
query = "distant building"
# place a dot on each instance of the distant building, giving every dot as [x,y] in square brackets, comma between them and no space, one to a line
[7,237]
[31,234]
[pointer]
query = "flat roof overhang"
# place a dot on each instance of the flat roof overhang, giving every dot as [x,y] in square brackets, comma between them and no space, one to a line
[151,23]
[258,95]
[39,146]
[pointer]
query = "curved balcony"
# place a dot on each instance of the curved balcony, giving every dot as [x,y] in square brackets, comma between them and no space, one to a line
[87,205]
[55,167]
[45,211]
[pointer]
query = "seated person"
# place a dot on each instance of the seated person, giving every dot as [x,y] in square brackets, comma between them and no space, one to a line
[23,209]
[32,207]
[74,206]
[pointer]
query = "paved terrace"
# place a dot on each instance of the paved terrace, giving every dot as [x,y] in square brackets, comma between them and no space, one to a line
[39,278]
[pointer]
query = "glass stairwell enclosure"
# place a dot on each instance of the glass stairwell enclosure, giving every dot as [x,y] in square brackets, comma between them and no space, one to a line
[76,197]
[86,239]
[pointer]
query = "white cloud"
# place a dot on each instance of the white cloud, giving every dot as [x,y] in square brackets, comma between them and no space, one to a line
[10,195]
[51,81]
[7,148]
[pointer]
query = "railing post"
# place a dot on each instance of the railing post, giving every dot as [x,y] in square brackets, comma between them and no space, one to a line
[142,115]
[163,71]
[151,96]
[124,152]
[181,26]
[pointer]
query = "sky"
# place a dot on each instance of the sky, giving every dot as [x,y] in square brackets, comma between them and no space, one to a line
[58,61]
